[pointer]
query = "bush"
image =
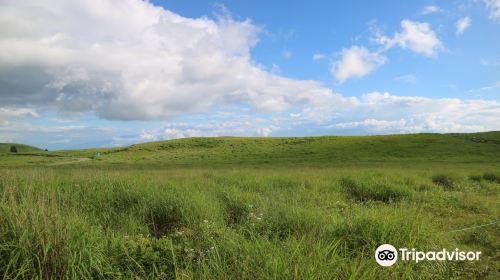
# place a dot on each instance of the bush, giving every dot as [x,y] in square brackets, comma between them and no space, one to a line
[13,149]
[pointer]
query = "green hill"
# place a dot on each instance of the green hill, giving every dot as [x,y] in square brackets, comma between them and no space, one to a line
[21,148]
[331,150]
[474,147]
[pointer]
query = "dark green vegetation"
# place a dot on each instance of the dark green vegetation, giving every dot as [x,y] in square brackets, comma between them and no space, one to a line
[236,208]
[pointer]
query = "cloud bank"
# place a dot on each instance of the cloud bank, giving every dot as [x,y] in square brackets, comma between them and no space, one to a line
[131,60]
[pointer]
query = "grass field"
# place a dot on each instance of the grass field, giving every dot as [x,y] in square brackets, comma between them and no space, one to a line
[252,208]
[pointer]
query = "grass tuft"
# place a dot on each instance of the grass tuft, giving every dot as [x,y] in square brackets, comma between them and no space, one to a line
[492,177]
[378,191]
[447,182]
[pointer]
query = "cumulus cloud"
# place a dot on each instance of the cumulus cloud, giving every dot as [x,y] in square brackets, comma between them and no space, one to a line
[7,115]
[356,62]
[131,60]
[431,9]
[462,24]
[383,112]
[494,8]
[415,36]
[240,126]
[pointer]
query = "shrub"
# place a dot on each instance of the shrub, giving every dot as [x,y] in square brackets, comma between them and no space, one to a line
[13,149]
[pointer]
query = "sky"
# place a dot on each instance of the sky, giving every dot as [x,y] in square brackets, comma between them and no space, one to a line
[105,73]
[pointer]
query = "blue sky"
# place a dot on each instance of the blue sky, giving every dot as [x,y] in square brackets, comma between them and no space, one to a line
[111,73]
[304,28]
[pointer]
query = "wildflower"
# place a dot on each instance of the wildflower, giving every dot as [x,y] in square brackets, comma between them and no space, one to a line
[205,221]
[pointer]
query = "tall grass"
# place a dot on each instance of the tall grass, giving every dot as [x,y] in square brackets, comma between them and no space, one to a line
[245,223]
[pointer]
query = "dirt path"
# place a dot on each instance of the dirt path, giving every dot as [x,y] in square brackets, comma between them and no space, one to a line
[69,162]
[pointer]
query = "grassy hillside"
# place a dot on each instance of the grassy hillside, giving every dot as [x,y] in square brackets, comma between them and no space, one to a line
[21,148]
[329,150]
[478,147]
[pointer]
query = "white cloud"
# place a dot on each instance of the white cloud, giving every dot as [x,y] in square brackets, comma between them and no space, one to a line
[318,56]
[287,54]
[356,62]
[415,36]
[431,9]
[409,79]
[376,112]
[492,86]
[494,8]
[131,60]
[373,125]
[462,24]
[411,114]
[17,112]
[240,126]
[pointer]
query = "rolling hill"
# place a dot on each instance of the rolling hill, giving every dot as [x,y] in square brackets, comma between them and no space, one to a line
[330,150]
[475,147]
[21,148]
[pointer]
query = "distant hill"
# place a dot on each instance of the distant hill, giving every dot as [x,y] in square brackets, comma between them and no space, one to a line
[21,148]
[473,147]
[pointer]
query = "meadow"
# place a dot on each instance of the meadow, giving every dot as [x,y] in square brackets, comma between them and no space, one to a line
[252,208]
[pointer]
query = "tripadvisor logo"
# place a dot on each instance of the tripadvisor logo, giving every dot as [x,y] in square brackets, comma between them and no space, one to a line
[387,255]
